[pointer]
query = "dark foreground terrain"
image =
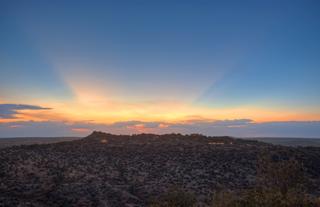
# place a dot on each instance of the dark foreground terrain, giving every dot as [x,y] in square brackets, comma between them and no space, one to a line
[139,170]
[292,142]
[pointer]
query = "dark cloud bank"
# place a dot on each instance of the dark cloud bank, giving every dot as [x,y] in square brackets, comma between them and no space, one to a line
[9,111]
[236,128]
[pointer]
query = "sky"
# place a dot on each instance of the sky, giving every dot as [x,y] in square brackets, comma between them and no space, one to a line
[238,68]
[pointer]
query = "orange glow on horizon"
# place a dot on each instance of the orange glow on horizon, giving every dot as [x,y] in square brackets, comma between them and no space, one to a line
[81,130]
[90,103]
[93,101]
[166,112]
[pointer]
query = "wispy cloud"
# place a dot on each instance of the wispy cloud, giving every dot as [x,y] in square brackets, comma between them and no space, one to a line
[10,111]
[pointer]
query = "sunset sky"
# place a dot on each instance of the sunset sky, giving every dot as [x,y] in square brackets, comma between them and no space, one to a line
[239,68]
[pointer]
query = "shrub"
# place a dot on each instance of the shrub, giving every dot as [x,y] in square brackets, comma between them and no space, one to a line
[175,198]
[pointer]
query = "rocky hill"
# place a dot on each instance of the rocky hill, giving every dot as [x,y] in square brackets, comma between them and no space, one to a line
[117,170]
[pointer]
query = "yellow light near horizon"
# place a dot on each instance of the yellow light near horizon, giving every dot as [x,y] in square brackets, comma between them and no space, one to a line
[91,103]
[116,111]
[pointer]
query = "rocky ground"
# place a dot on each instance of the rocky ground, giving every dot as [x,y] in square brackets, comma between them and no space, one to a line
[110,170]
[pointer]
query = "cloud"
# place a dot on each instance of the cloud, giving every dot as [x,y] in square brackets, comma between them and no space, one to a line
[232,123]
[9,111]
[236,128]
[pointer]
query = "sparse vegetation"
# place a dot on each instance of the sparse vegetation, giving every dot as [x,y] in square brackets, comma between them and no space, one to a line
[281,182]
[130,170]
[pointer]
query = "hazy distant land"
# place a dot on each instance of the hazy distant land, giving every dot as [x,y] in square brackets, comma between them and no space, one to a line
[293,142]
[8,142]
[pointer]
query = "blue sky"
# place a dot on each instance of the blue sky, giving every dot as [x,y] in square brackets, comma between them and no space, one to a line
[200,58]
